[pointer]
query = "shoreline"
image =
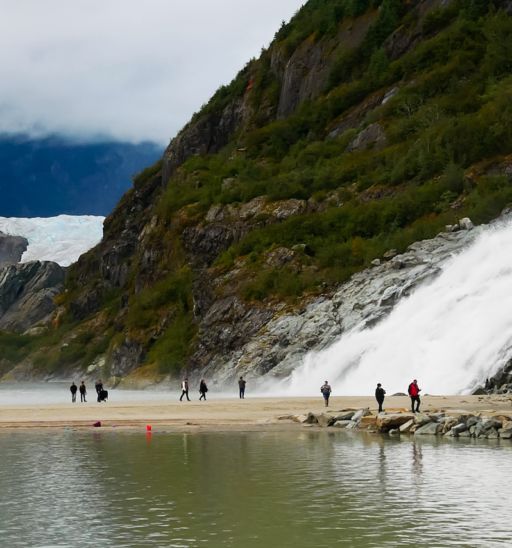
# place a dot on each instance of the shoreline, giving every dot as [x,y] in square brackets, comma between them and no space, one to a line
[252,413]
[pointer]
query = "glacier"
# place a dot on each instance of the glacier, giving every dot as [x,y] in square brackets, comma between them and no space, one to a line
[61,239]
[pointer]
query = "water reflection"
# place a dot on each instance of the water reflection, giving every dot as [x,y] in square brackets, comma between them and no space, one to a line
[225,489]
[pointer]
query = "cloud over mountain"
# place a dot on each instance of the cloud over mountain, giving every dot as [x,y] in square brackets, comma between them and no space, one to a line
[127,69]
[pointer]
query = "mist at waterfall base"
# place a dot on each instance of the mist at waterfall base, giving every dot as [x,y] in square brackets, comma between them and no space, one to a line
[450,334]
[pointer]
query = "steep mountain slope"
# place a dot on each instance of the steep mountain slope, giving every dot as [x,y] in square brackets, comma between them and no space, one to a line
[364,127]
[51,176]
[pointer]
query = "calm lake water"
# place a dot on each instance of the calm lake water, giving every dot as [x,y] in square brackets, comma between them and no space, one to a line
[302,489]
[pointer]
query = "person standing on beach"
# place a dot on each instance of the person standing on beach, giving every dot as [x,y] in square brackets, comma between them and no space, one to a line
[73,388]
[379,395]
[184,389]
[99,389]
[202,390]
[83,392]
[241,387]
[326,392]
[414,393]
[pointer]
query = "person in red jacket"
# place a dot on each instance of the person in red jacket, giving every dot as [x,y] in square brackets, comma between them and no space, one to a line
[414,393]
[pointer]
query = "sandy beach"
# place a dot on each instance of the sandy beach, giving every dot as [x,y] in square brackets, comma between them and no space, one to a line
[224,414]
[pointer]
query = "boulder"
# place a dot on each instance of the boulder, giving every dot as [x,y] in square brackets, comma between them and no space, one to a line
[458,429]
[471,421]
[345,416]
[323,419]
[492,434]
[386,422]
[406,427]
[466,224]
[420,419]
[341,424]
[505,434]
[369,420]
[358,415]
[448,423]
[488,424]
[429,429]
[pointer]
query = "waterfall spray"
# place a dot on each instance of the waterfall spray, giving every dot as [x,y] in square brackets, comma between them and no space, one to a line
[449,334]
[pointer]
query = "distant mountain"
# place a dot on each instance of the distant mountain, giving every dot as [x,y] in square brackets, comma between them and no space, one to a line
[52,176]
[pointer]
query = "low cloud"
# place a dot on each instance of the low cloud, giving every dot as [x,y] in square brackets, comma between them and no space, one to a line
[123,69]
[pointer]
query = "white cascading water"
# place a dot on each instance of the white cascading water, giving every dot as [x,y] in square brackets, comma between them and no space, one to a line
[450,334]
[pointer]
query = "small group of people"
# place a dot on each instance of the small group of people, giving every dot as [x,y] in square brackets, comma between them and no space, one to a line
[203,388]
[413,390]
[101,393]
[74,389]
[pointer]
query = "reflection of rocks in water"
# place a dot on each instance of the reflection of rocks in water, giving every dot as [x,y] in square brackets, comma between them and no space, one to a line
[417,459]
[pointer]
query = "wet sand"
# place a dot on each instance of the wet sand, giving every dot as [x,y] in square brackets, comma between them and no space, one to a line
[252,413]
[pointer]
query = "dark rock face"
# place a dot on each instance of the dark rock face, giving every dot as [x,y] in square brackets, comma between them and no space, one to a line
[304,77]
[126,358]
[27,292]
[11,248]
[206,242]
[206,135]
[499,383]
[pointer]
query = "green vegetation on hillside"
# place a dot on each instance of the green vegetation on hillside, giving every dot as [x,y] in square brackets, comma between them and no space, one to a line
[451,110]
[431,91]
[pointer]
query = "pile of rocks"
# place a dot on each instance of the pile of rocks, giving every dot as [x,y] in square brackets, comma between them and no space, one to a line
[459,425]
[499,383]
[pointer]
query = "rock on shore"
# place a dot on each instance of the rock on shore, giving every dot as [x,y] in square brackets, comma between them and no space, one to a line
[449,424]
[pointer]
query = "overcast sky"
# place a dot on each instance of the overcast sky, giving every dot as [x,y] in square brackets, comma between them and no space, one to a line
[128,69]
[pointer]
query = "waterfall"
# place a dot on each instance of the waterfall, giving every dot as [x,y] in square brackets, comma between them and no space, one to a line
[450,333]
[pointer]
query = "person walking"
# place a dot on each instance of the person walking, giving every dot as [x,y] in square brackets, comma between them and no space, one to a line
[73,388]
[379,395]
[184,389]
[202,390]
[241,387]
[414,393]
[326,392]
[99,389]
[83,392]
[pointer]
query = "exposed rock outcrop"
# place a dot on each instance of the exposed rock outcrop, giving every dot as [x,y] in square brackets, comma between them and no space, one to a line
[11,248]
[27,294]
[281,342]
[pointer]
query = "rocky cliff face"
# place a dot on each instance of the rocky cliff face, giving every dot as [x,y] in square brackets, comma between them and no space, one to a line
[27,293]
[11,249]
[278,342]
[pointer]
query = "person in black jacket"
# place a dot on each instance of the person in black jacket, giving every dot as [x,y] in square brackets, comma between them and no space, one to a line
[83,392]
[73,388]
[241,387]
[379,395]
[202,390]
